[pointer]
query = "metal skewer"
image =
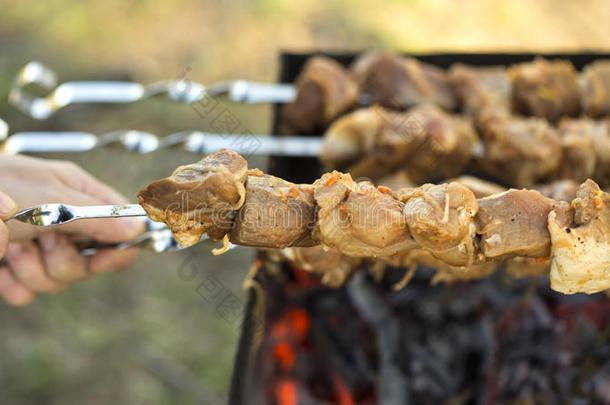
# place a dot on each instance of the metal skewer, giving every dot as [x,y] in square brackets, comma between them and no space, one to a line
[59,214]
[179,90]
[157,236]
[145,142]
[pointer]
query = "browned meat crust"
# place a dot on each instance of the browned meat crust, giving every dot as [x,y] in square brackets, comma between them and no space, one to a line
[324,91]
[276,213]
[425,141]
[398,82]
[547,89]
[447,220]
[481,88]
[357,219]
[595,81]
[518,151]
[199,198]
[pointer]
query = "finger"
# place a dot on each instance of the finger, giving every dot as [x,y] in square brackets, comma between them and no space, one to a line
[3,239]
[62,261]
[8,207]
[25,261]
[111,260]
[12,291]
[74,177]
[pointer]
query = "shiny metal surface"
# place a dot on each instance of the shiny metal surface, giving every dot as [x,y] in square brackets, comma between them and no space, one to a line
[58,214]
[157,238]
[179,90]
[145,142]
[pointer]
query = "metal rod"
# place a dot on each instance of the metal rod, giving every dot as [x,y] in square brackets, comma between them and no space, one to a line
[145,142]
[179,90]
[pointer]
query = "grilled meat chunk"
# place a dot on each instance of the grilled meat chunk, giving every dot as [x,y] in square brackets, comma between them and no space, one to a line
[479,88]
[334,268]
[397,82]
[600,134]
[361,220]
[595,82]
[514,223]
[358,219]
[276,213]
[438,216]
[581,243]
[425,141]
[197,198]
[546,89]
[383,138]
[578,150]
[528,267]
[324,91]
[446,150]
[518,151]
[561,190]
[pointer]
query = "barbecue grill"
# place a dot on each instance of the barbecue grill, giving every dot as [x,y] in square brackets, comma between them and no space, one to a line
[491,341]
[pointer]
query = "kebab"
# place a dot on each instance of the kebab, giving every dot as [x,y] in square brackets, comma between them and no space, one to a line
[433,145]
[549,89]
[220,196]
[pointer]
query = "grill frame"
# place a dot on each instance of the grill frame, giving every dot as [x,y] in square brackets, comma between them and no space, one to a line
[302,170]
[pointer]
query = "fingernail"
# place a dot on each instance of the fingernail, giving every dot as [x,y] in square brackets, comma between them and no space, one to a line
[48,241]
[7,205]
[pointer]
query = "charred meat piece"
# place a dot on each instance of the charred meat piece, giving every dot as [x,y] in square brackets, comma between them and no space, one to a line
[595,81]
[397,82]
[547,89]
[358,219]
[276,213]
[324,91]
[478,88]
[518,151]
[581,243]
[197,198]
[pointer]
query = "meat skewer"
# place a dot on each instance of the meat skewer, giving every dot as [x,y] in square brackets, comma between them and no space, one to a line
[428,143]
[549,89]
[220,196]
[325,89]
[433,145]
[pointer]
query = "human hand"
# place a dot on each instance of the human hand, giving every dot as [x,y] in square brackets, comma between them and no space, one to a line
[7,209]
[46,260]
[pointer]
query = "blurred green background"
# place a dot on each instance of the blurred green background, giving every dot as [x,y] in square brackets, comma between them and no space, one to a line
[146,335]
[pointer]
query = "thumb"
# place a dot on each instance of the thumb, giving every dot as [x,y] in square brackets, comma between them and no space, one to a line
[8,207]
